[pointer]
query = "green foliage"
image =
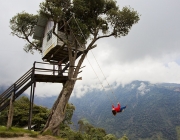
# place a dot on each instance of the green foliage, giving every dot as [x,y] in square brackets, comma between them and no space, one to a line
[48,132]
[21,114]
[178,132]
[104,17]
[23,25]
[15,132]
[86,132]
[40,114]
[55,9]
[124,138]
[154,115]
[71,135]
[94,19]
[110,137]
[90,131]
[10,135]
[68,115]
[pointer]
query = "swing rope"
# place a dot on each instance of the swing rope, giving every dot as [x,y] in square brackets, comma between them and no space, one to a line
[97,63]
[104,77]
[99,80]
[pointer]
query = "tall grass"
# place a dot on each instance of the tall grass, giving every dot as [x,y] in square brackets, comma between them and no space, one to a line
[16,132]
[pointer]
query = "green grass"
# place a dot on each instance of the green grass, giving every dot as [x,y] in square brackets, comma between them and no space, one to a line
[16,132]
[178,132]
[20,132]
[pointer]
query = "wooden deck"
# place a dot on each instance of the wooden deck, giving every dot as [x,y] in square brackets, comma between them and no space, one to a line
[50,78]
[58,53]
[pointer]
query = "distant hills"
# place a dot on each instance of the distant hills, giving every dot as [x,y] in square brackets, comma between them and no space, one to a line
[153,110]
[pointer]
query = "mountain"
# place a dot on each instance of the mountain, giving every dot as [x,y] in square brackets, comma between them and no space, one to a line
[152,113]
[153,110]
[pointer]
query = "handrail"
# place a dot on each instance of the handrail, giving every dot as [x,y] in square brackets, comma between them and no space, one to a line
[26,80]
[25,75]
[12,86]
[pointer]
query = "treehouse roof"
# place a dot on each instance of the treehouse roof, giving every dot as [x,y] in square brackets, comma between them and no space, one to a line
[40,27]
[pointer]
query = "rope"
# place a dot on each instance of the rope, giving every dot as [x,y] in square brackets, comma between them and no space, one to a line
[104,76]
[79,27]
[96,62]
[98,79]
[74,36]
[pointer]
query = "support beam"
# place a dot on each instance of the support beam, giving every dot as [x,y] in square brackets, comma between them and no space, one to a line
[11,110]
[31,104]
[80,78]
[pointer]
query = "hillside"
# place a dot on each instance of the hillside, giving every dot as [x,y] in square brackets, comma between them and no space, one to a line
[153,110]
[31,138]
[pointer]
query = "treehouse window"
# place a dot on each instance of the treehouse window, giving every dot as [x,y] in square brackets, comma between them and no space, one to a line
[49,35]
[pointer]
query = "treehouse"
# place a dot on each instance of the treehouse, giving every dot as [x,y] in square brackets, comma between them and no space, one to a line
[53,47]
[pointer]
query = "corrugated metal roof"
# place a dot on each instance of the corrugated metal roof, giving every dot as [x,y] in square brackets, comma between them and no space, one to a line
[40,27]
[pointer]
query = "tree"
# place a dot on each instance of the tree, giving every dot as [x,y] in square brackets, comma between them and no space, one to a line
[21,114]
[68,116]
[124,138]
[91,20]
[89,131]
[110,137]
[22,26]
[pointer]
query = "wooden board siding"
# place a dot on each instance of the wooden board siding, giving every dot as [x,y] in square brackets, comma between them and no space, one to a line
[57,53]
[53,49]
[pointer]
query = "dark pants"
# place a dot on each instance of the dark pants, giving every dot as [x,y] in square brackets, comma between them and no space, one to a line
[122,108]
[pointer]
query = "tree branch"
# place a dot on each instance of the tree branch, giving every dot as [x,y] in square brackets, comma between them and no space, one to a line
[105,36]
[27,38]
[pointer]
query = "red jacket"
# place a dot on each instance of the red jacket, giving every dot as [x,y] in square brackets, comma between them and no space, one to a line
[118,108]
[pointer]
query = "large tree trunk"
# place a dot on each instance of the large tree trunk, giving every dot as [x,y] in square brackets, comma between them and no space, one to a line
[58,110]
[57,114]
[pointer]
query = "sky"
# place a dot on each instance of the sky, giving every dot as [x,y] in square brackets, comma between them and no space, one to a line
[150,52]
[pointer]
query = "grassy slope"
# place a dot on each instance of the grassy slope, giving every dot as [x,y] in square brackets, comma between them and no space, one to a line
[19,132]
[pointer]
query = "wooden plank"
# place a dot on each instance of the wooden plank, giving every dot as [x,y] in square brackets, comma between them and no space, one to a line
[50,78]
[57,53]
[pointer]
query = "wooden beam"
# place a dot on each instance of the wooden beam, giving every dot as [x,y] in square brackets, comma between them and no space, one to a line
[80,78]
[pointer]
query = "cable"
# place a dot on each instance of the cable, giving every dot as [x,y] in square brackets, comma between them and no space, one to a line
[104,76]
[98,79]
[96,62]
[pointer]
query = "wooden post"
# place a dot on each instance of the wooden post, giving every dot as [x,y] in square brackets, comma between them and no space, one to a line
[31,97]
[31,104]
[53,69]
[11,110]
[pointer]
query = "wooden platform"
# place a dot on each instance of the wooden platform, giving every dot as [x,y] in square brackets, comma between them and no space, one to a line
[57,53]
[50,78]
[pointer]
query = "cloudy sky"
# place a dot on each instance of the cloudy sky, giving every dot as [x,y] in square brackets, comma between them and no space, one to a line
[150,52]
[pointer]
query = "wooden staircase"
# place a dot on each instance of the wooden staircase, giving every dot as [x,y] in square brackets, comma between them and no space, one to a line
[35,74]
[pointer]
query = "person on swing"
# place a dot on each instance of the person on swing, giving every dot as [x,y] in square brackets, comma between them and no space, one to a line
[117,109]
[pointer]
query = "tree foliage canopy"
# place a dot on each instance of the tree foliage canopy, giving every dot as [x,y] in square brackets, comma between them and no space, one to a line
[85,21]
[22,26]
[92,20]
[40,114]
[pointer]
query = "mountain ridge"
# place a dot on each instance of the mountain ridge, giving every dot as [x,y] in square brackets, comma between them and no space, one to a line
[153,110]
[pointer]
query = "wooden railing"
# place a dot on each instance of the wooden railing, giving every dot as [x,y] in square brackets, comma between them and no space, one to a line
[29,78]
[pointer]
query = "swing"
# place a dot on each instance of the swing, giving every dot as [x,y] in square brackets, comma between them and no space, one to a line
[114,109]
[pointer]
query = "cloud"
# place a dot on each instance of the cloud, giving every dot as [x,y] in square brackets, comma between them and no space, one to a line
[142,88]
[150,52]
